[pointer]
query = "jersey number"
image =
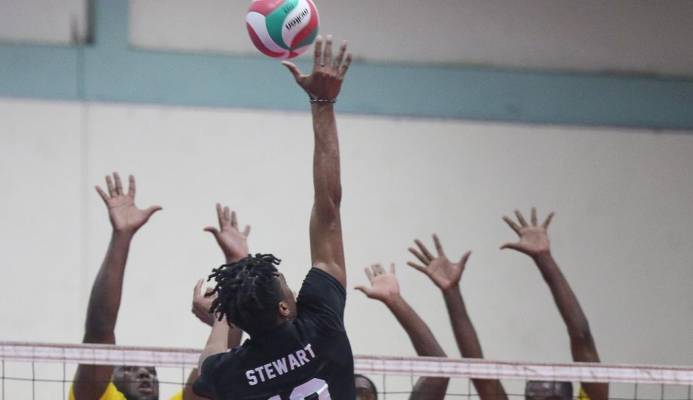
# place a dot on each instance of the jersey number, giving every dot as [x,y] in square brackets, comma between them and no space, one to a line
[314,389]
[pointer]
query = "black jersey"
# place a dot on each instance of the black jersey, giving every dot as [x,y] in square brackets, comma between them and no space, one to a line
[307,358]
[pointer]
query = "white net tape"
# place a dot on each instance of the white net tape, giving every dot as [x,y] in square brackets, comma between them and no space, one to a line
[402,366]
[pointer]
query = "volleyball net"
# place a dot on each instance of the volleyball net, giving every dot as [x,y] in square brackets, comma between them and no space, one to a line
[45,371]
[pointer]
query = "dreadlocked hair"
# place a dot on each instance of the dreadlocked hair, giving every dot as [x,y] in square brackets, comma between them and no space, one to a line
[248,292]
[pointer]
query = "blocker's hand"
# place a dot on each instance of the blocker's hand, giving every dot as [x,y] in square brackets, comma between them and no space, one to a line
[231,240]
[444,273]
[534,239]
[325,82]
[384,285]
[125,217]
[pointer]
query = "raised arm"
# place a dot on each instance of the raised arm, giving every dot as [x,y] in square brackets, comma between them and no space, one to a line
[231,240]
[104,301]
[385,288]
[446,275]
[534,242]
[201,305]
[323,86]
[234,245]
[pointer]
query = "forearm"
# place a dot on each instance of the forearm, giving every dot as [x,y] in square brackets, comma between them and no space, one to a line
[326,244]
[217,341]
[425,344]
[102,312]
[465,334]
[326,168]
[420,335]
[104,301]
[468,343]
[234,257]
[582,343]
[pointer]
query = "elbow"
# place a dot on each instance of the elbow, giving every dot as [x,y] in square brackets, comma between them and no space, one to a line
[99,336]
[334,196]
[439,353]
[582,346]
[99,330]
[581,333]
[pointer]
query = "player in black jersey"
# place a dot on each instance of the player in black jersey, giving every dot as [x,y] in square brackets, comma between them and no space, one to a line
[298,349]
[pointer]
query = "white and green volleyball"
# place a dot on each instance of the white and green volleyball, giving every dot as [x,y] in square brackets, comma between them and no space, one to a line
[282,28]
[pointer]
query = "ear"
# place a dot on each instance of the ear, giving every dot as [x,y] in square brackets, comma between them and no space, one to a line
[284,310]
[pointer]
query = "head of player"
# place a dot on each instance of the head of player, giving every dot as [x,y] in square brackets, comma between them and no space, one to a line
[548,390]
[365,388]
[252,294]
[137,383]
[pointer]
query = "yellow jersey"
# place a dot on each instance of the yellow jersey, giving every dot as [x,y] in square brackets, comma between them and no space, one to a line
[112,393]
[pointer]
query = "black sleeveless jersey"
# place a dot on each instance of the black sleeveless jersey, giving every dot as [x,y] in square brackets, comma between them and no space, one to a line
[307,358]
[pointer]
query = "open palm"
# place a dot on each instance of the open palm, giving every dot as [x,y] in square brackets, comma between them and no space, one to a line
[232,241]
[384,284]
[325,81]
[534,239]
[444,273]
[124,215]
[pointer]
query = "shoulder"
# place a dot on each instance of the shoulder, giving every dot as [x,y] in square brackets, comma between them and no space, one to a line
[213,368]
[321,303]
[321,294]
[220,360]
[318,282]
[334,270]
[111,393]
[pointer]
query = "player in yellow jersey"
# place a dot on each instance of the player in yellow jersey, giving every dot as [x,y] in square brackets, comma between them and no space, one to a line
[105,382]
[93,382]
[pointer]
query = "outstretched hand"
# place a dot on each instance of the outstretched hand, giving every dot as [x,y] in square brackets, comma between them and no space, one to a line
[232,241]
[202,303]
[124,215]
[534,239]
[384,285]
[444,273]
[325,81]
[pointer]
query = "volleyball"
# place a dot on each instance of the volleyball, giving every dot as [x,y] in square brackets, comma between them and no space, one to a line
[282,29]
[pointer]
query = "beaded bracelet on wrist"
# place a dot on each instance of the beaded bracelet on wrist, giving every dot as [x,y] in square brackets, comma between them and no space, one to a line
[315,100]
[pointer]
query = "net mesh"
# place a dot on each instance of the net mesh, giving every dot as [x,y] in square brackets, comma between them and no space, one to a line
[45,371]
